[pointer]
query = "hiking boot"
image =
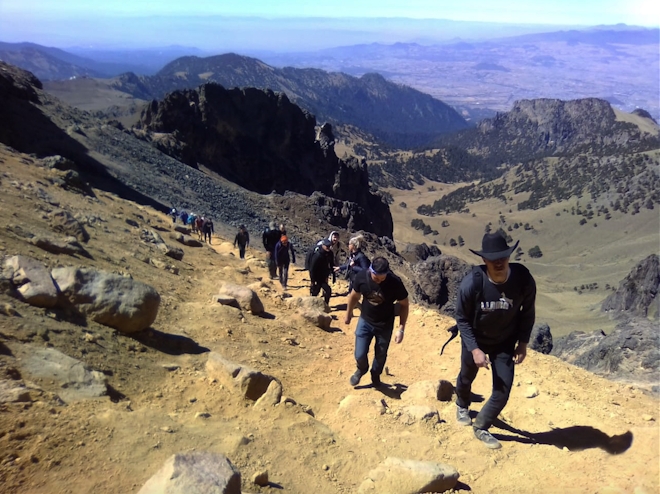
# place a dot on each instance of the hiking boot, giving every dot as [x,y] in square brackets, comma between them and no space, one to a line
[486,437]
[355,378]
[375,380]
[463,416]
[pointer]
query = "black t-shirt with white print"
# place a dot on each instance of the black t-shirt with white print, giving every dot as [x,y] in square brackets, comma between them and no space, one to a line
[378,299]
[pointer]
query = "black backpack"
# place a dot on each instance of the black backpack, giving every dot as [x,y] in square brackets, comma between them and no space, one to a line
[309,255]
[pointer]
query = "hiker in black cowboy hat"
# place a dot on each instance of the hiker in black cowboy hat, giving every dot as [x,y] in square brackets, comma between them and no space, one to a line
[495,315]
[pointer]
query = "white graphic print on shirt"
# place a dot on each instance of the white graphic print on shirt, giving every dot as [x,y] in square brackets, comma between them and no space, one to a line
[503,303]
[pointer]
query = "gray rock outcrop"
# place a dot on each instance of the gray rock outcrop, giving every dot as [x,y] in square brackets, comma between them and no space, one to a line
[195,472]
[437,279]
[540,339]
[121,303]
[63,222]
[637,294]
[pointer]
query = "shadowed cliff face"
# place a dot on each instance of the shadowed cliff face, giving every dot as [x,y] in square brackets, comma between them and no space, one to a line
[263,142]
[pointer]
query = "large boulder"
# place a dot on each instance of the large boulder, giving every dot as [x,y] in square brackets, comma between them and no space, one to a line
[246,297]
[437,279]
[35,285]
[54,245]
[419,252]
[399,476]
[195,472]
[110,299]
[540,339]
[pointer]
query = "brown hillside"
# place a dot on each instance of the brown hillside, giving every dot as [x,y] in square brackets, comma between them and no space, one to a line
[557,441]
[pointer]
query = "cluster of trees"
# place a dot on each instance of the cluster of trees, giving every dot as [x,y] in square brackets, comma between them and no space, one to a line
[419,224]
[589,286]
[630,182]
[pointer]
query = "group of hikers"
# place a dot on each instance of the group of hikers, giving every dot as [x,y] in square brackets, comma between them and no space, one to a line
[202,225]
[495,312]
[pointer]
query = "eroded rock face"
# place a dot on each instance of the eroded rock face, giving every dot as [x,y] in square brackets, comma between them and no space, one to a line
[121,303]
[259,140]
[637,294]
[437,280]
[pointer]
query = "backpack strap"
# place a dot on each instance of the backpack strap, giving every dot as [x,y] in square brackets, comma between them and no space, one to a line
[478,288]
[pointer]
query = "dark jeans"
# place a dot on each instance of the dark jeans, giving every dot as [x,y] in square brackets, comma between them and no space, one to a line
[364,333]
[502,367]
[241,251]
[272,266]
[207,234]
[316,288]
[284,274]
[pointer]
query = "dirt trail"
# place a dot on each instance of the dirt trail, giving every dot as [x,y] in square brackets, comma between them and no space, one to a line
[114,444]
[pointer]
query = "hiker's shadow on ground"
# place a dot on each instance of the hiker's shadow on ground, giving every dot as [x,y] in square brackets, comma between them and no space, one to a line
[393,391]
[266,315]
[575,438]
[171,344]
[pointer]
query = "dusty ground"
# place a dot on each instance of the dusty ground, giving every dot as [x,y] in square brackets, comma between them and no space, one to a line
[115,443]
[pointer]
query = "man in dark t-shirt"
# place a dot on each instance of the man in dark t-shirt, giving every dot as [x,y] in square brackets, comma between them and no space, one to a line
[380,290]
[495,317]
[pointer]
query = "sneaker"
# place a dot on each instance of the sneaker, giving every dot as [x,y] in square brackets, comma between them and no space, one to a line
[486,437]
[463,416]
[375,379]
[355,378]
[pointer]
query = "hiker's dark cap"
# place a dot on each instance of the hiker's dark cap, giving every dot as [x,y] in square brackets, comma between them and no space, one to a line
[326,242]
[494,246]
[381,267]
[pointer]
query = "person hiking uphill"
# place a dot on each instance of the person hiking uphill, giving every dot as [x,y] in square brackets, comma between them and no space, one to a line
[320,267]
[495,317]
[242,239]
[380,290]
[283,259]
[270,238]
[357,261]
[207,229]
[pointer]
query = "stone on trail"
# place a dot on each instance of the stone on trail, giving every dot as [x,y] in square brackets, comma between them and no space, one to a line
[417,413]
[13,391]
[186,240]
[63,222]
[68,245]
[252,383]
[271,397]
[35,285]
[109,299]
[77,380]
[422,391]
[316,317]
[399,476]
[246,297]
[195,472]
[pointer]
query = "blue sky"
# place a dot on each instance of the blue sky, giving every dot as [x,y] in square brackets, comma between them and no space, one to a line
[562,12]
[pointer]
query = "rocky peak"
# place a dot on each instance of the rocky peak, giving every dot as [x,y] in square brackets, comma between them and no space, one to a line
[261,141]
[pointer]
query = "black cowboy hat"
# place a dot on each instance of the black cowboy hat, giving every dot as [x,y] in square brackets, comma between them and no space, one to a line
[494,246]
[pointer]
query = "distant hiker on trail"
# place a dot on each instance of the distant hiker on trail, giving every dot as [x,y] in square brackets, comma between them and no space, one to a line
[357,261]
[320,267]
[184,217]
[199,224]
[173,214]
[191,221]
[495,316]
[270,238]
[282,229]
[335,248]
[242,239]
[380,290]
[282,250]
[207,229]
